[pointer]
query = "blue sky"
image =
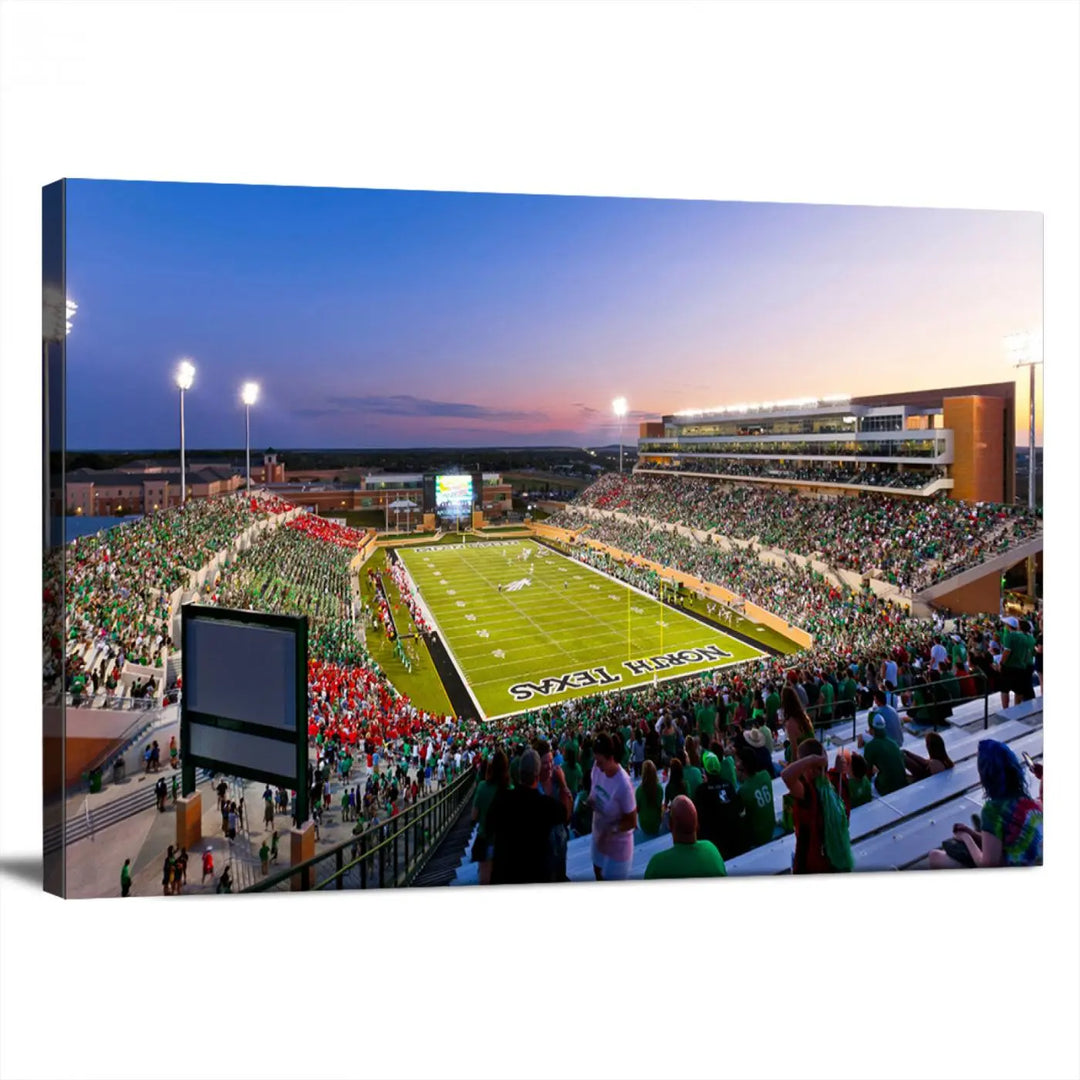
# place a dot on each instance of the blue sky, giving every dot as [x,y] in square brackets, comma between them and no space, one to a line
[388,318]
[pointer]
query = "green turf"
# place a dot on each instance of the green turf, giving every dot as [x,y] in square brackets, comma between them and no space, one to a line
[742,624]
[422,685]
[748,627]
[568,619]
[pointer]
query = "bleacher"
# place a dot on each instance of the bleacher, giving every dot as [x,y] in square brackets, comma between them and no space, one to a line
[895,831]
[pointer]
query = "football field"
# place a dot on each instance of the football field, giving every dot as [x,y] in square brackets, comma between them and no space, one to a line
[556,629]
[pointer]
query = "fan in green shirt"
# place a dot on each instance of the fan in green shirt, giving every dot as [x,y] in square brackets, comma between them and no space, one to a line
[859,791]
[883,754]
[572,770]
[688,856]
[692,778]
[705,718]
[825,710]
[486,791]
[772,708]
[650,801]
[755,795]
[668,741]
[1020,648]
[699,858]
[847,690]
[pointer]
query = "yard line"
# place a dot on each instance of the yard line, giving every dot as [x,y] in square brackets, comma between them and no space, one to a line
[539,629]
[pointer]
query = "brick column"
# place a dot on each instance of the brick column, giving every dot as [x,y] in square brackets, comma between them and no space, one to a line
[302,848]
[189,820]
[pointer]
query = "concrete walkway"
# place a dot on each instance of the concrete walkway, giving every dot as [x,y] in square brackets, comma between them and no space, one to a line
[93,864]
[79,802]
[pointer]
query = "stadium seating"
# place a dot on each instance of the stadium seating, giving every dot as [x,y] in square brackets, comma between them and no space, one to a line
[883,831]
[908,543]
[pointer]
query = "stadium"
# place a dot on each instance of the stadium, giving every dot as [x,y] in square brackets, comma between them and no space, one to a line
[766,578]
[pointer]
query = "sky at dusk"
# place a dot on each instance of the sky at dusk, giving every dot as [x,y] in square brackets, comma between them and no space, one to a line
[398,319]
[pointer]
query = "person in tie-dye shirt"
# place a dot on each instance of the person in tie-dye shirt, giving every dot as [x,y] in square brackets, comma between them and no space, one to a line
[1010,825]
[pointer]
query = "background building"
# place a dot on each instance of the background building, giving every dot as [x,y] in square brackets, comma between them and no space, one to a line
[959,439]
[327,490]
[143,488]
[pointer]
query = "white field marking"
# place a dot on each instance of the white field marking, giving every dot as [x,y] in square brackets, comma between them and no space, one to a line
[681,616]
[459,603]
[612,596]
[575,627]
[498,654]
[471,617]
[604,637]
[451,592]
[433,623]
[598,623]
[584,644]
[539,629]
[640,682]
[596,587]
[601,631]
[637,611]
[576,638]
[533,653]
[482,633]
[600,626]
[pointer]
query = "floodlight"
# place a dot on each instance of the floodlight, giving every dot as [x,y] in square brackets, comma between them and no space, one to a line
[619,407]
[185,374]
[1025,347]
[249,393]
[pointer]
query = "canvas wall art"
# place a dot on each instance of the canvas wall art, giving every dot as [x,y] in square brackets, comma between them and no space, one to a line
[415,538]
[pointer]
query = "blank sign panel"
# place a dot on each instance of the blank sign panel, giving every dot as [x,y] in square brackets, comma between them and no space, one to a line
[243,751]
[241,672]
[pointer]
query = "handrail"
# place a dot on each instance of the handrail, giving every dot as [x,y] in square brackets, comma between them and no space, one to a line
[383,839]
[978,675]
[116,748]
[114,702]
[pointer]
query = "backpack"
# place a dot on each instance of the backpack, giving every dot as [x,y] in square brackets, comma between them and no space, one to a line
[835,826]
[581,820]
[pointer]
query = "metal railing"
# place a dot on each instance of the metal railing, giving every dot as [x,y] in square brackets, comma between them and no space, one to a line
[388,854]
[936,702]
[114,702]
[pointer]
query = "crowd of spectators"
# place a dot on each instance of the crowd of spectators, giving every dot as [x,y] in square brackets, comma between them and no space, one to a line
[404,586]
[909,543]
[839,473]
[840,619]
[329,532]
[291,571]
[118,583]
[702,733]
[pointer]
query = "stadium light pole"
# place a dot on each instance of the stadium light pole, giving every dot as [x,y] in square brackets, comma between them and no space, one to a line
[1025,349]
[618,406]
[185,376]
[249,394]
[56,310]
